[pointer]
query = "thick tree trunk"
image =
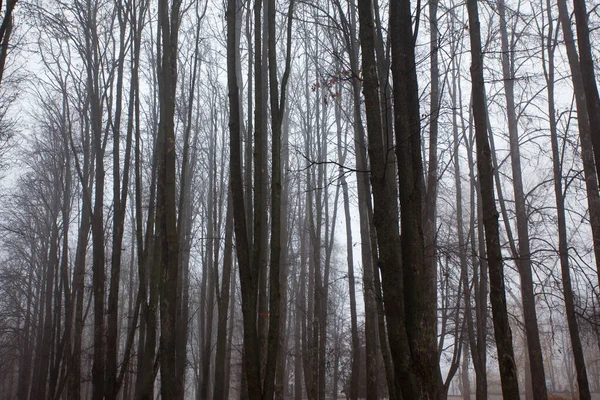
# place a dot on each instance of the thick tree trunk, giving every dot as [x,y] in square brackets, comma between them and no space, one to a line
[418,274]
[385,214]
[166,207]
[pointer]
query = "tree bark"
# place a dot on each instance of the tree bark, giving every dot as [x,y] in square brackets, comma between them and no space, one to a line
[166,206]
[247,271]
[563,250]
[385,213]
[419,275]
[506,359]
[523,261]
[583,123]
[586,64]
[277,113]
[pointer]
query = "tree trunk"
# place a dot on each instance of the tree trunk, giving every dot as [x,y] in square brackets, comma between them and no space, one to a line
[506,359]
[355,355]
[563,250]
[223,307]
[584,124]
[277,113]
[418,273]
[523,260]
[364,194]
[478,361]
[166,207]
[586,64]
[385,213]
[248,272]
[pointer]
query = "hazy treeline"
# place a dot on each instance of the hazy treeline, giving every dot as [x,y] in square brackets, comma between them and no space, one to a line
[299,199]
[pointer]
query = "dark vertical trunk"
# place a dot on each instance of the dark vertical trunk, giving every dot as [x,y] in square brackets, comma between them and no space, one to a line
[464,266]
[584,125]
[282,370]
[277,114]
[185,216]
[385,214]
[480,276]
[418,275]
[430,201]
[25,360]
[74,384]
[314,217]
[230,332]
[223,307]
[300,312]
[536,362]
[364,205]
[120,207]
[166,208]
[148,276]
[6,29]
[98,255]
[248,273]
[563,251]
[46,342]
[353,395]
[586,65]
[261,180]
[207,294]
[506,359]
[39,313]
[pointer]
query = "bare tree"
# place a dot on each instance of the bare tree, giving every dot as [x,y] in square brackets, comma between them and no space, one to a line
[506,359]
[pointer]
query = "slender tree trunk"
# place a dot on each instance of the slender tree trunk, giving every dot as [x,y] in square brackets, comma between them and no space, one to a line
[353,395]
[277,113]
[25,361]
[78,294]
[586,64]
[46,340]
[578,356]
[536,362]
[506,359]
[120,206]
[430,201]
[148,275]
[248,273]
[261,185]
[584,125]
[364,193]
[223,307]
